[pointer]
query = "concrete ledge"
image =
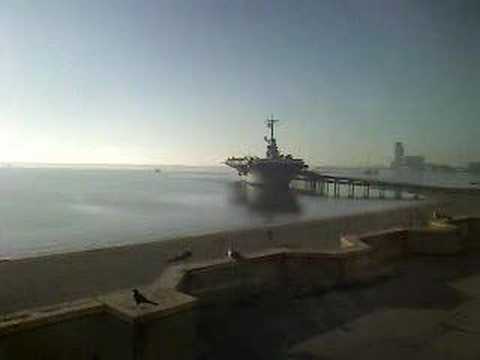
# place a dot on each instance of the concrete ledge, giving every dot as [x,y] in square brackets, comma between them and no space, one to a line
[255,272]
[358,258]
[118,304]
[122,305]
[170,278]
[292,269]
[44,316]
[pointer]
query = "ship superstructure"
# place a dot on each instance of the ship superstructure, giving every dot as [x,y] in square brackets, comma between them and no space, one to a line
[275,170]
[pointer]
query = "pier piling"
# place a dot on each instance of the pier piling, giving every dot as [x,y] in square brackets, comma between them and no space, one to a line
[321,184]
[366,191]
[351,190]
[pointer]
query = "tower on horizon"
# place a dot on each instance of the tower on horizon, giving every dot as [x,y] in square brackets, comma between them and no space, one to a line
[415,162]
[399,154]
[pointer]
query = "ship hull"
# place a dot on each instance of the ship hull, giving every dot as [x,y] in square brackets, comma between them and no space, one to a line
[272,175]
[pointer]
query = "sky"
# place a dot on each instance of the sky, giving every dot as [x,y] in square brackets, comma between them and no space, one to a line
[191,82]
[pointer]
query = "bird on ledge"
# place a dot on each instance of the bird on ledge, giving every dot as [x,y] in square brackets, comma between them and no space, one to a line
[180,256]
[234,255]
[141,299]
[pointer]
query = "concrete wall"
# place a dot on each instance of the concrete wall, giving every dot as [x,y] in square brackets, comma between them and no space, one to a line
[307,272]
[443,241]
[103,337]
[87,338]
[172,337]
[232,280]
[305,269]
[387,245]
[469,229]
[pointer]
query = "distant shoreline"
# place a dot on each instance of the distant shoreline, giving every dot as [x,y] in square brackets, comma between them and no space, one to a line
[7,165]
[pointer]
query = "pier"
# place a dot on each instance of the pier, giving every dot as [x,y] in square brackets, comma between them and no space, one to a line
[326,184]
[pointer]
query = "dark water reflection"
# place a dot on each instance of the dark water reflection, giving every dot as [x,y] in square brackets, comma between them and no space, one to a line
[265,201]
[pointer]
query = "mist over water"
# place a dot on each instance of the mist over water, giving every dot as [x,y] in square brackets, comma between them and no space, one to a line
[46,210]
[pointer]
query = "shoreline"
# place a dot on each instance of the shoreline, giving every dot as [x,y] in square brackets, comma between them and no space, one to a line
[72,235]
[413,204]
[57,278]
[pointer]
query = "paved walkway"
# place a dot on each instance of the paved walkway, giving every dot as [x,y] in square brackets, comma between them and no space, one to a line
[405,333]
[427,308]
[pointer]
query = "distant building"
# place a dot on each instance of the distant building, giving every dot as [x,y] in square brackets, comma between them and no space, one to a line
[400,160]
[399,155]
[474,167]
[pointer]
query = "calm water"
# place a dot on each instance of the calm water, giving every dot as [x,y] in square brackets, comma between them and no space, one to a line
[53,210]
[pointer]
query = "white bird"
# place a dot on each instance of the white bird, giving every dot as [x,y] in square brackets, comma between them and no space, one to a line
[234,255]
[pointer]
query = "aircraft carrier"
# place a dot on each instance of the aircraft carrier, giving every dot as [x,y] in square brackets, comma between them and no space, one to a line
[275,170]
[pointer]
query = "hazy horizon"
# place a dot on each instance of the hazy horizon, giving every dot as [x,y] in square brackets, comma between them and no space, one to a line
[190,83]
[152,165]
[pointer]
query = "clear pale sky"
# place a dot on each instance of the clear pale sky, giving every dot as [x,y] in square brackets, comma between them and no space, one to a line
[191,82]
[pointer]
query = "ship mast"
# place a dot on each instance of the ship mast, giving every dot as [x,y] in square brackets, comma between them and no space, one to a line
[271,125]
[272,149]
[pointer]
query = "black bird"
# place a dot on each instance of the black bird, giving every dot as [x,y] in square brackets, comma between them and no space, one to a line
[141,299]
[234,255]
[181,256]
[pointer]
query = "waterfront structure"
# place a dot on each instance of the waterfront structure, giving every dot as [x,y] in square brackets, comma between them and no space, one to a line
[399,154]
[416,162]
[275,170]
